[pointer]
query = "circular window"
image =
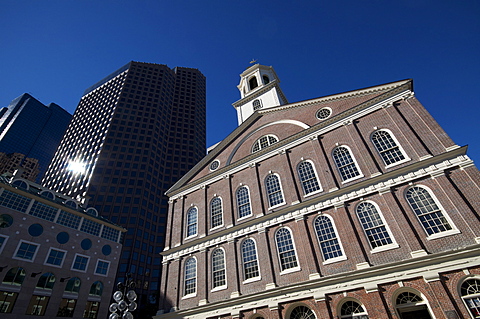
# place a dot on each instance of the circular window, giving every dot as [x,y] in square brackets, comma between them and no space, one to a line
[214,165]
[63,237]
[86,244]
[107,250]
[6,221]
[324,113]
[35,230]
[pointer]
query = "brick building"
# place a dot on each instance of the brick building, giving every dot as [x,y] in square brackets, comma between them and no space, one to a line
[57,258]
[9,163]
[352,205]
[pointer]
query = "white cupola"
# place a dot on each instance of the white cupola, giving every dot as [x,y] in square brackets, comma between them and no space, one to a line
[259,89]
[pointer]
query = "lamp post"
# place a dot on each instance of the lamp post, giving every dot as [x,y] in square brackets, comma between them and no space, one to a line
[124,298]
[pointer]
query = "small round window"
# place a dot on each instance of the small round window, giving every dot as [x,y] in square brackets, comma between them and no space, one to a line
[86,244]
[107,250]
[214,165]
[5,220]
[35,230]
[63,237]
[324,113]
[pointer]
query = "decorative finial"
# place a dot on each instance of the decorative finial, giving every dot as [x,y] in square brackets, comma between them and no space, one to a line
[253,61]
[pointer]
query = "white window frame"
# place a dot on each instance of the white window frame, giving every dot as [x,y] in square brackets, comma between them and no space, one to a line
[253,150]
[96,266]
[192,294]
[471,296]
[292,269]
[251,279]
[392,245]
[400,148]
[334,259]
[452,231]
[423,302]
[305,194]
[354,160]
[211,212]
[268,194]
[48,255]
[222,287]
[249,202]
[4,242]
[86,266]
[187,225]
[29,243]
[345,300]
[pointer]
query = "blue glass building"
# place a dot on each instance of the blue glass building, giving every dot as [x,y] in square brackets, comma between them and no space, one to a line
[29,127]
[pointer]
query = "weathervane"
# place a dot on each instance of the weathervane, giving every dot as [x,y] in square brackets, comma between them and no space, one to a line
[253,61]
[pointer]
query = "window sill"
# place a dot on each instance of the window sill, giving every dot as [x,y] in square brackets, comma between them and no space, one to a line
[290,270]
[384,248]
[278,205]
[191,236]
[249,280]
[189,296]
[353,179]
[398,163]
[219,288]
[244,217]
[313,193]
[334,260]
[216,227]
[443,234]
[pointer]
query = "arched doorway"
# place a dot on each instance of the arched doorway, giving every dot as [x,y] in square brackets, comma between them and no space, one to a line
[410,305]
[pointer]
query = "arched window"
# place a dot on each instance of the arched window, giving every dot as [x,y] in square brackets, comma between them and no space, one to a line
[216,212]
[18,183]
[15,276]
[308,178]
[428,212]
[73,285]
[192,221]
[470,292]
[218,268]
[286,249]
[190,276]
[96,289]
[373,225]
[328,239]
[274,190]
[387,147]
[411,305]
[250,260]
[352,309]
[46,281]
[257,104]
[48,195]
[265,78]
[253,82]
[263,142]
[302,312]
[243,202]
[345,163]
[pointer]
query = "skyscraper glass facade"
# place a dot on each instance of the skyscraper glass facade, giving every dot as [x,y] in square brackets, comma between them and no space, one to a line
[133,135]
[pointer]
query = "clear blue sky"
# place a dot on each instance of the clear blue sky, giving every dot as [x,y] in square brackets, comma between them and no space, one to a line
[56,49]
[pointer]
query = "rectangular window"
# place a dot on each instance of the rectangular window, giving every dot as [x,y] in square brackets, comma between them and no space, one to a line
[26,251]
[55,257]
[66,308]
[68,219]
[43,211]
[14,201]
[7,301]
[37,306]
[90,227]
[80,263]
[91,309]
[102,267]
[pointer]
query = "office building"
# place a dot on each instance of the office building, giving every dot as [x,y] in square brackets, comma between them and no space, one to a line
[57,258]
[10,163]
[33,129]
[351,205]
[132,136]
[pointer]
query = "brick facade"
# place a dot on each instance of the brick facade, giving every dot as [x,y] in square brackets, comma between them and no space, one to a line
[393,259]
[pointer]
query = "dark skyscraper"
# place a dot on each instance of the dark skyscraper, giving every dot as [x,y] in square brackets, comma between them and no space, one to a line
[132,136]
[33,129]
